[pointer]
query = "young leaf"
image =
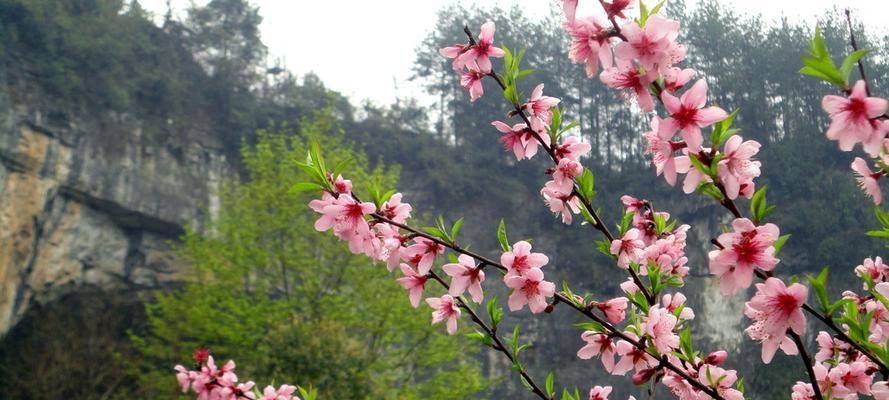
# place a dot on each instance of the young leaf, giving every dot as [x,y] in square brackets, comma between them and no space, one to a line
[456,229]
[849,63]
[779,243]
[304,187]
[501,236]
[550,380]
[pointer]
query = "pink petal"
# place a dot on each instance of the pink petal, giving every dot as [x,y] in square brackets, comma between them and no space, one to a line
[710,115]
[696,96]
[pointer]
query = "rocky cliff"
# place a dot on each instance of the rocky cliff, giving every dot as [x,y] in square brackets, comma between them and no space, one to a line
[94,201]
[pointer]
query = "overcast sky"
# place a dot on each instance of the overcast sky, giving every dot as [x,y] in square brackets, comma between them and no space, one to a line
[330,37]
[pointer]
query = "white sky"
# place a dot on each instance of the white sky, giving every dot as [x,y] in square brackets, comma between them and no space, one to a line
[330,37]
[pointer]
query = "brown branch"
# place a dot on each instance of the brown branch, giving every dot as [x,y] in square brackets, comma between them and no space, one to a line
[808,362]
[498,344]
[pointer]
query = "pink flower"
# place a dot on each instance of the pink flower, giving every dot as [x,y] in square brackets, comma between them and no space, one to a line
[413,282]
[285,392]
[628,286]
[659,325]
[631,357]
[395,210]
[346,217]
[688,115]
[591,44]
[716,357]
[342,186]
[570,9]
[597,344]
[471,80]
[561,202]
[880,390]
[615,309]
[632,204]
[565,172]
[465,276]
[662,151]
[693,176]
[736,167]
[520,139]
[480,53]
[454,52]
[675,78]
[853,119]
[651,46]
[722,380]
[520,259]
[747,248]
[628,249]
[422,253]
[675,302]
[774,309]
[852,377]
[802,391]
[867,179]
[626,76]
[445,310]
[616,8]
[572,148]
[390,245]
[828,347]
[530,289]
[184,377]
[600,393]
[539,109]
[872,268]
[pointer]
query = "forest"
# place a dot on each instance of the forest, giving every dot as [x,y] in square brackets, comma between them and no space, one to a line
[258,287]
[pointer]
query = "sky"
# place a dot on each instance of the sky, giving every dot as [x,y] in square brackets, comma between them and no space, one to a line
[329,37]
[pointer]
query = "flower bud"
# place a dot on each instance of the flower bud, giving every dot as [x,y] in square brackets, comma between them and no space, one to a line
[201,355]
[716,357]
[643,376]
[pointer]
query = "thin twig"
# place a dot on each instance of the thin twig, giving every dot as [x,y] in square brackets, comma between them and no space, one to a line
[808,362]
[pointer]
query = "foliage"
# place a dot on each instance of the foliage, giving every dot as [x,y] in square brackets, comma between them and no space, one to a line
[291,306]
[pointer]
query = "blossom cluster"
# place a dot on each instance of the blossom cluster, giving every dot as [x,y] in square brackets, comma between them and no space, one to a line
[368,231]
[647,247]
[640,60]
[210,382]
[860,119]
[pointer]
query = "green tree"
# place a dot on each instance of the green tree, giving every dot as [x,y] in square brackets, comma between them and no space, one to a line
[293,306]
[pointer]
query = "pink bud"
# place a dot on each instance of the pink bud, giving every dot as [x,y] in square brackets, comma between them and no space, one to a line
[201,355]
[643,376]
[716,357]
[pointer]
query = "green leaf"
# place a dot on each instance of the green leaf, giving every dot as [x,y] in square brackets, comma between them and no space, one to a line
[698,165]
[779,243]
[341,166]
[304,187]
[819,284]
[709,189]
[456,229]
[501,236]
[550,380]
[494,312]
[590,326]
[523,73]
[438,233]
[586,182]
[849,63]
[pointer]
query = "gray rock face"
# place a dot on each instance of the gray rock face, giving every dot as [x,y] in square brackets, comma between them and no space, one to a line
[84,203]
